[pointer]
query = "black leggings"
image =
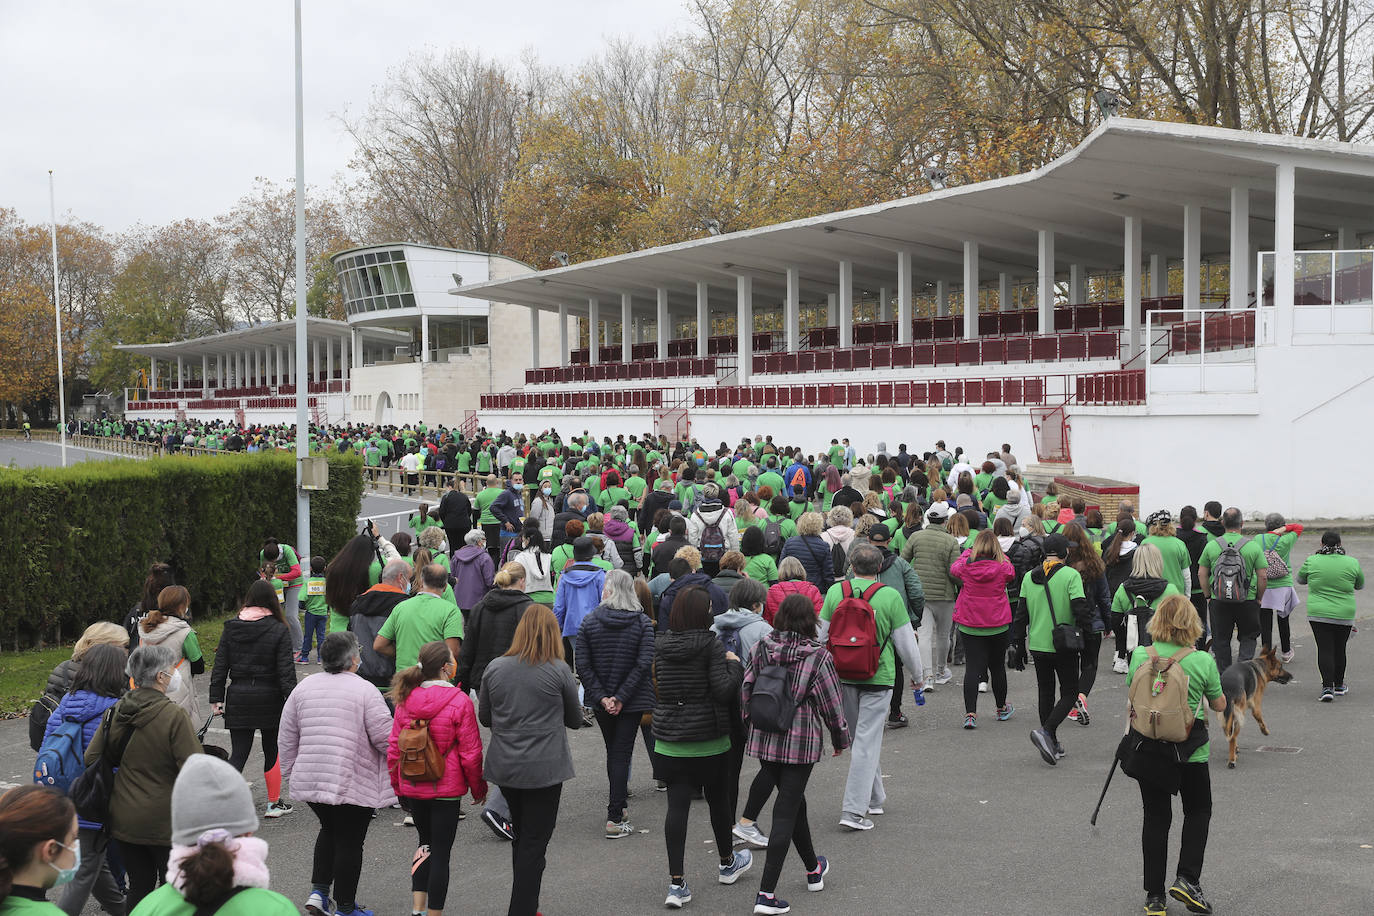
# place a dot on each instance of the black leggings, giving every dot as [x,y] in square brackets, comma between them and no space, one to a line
[1267,616]
[1331,639]
[436,821]
[684,776]
[145,867]
[1087,661]
[1119,631]
[241,745]
[1050,666]
[790,826]
[985,655]
[765,781]
[1195,788]
[534,812]
[618,734]
[339,851]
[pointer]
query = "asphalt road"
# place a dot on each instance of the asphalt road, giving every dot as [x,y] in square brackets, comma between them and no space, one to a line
[975,822]
[18,453]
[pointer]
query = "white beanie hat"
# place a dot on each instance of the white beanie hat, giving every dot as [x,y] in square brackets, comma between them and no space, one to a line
[209,794]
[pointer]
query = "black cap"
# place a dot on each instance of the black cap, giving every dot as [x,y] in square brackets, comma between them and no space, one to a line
[584,549]
[1056,545]
[879,534]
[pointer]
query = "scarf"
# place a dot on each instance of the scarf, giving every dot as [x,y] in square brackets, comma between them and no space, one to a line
[1332,549]
[250,859]
[1051,563]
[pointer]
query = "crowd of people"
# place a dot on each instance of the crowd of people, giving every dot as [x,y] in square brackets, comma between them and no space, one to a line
[747,601]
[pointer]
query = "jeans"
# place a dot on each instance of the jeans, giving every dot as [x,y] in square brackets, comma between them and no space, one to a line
[1331,639]
[790,826]
[436,821]
[534,813]
[1049,667]
[985,655]
[1195,789]
[936,626]
[93,877]
[315,625]
[1239,616]
[339,851]
[684,776]
[146,868]
[618,732]
[864,710]
[1119,632]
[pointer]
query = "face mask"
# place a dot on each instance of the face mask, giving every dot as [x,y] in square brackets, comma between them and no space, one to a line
[174,682]
[548,491]
[65,875]
[443,546]
[406,587]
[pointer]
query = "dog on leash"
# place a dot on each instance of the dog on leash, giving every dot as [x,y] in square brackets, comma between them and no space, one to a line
[1243,685]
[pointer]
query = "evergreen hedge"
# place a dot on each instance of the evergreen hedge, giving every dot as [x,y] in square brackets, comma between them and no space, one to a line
[76,542]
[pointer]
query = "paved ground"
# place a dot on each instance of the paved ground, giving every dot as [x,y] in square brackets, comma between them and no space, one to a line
[18,453]
[975,823]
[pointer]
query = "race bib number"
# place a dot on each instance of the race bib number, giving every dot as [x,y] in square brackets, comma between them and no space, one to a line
[281,596]
[315,589]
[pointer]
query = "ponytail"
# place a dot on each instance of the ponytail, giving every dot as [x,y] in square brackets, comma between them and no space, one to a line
[208,875]
[432,659]
[424,513]
[171,601]
[511,573]
[29,815]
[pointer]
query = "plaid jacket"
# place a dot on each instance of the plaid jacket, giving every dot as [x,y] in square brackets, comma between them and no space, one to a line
[810,668]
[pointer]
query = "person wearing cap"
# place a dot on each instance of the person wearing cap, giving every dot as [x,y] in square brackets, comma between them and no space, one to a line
[931,552]
[898,574]
[1051,595]
[1177,564]
[215,863]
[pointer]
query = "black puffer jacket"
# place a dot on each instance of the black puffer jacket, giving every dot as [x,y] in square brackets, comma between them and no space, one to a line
[615,654]
[254,672]
[59,682]
[365,618]
[696,684]
[488,632]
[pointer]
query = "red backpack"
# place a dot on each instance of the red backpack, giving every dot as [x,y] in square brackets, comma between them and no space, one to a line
[853,637]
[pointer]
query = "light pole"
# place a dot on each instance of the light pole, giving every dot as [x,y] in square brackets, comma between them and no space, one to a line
[302,379]
[57,311]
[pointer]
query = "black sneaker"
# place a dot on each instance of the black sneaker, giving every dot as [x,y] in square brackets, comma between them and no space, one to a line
[1045,745]
[897,721]
[1190,895]
[1156,905]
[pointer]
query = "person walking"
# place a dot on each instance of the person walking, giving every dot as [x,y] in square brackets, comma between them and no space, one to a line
[61,677]
[1053,597]
[1280,598]
[38,848]
[422,618]
[983,615]
[424,694]
[1332,576]
[253,675]
[474,568]
[615,655]
[528,699]
[1084,558]
[786,757]
[697,677]
[791,581]
[1174,630]
[167,626]
[333,741]
[1221,572]
[157,739]
[931,551]
[98,685]
[1142,591]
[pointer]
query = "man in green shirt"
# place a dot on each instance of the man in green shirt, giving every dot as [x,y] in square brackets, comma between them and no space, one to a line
[423,618]
[1241,616]
[491,525]
[770,477]
[866,701]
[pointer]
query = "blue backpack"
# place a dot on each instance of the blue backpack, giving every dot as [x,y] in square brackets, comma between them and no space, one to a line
[61,757]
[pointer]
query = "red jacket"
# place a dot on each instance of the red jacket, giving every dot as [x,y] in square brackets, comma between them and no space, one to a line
[780,590]
[982,600]
[453,728]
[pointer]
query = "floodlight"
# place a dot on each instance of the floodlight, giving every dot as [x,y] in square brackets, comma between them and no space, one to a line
[936,176]
[1108,102]
[712,226]
[561,257]
[457,279]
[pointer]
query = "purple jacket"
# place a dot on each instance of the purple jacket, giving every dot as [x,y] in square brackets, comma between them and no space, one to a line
[334,731]
[474,570]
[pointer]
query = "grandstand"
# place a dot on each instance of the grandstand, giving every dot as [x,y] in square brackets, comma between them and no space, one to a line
[1188,308]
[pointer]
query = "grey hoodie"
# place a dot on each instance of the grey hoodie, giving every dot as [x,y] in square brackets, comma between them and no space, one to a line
[751,628]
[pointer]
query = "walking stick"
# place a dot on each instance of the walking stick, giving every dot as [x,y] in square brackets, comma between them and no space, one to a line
[1110,773]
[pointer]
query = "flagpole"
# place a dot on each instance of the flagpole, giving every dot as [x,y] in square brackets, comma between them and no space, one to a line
[302,376]
[57,311]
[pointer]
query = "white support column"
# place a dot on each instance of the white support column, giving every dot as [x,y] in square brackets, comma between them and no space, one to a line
[593,331]
[884,304]
[355,337]
[744,325]
[1285,186]
[626,328]
[1347,239]
[343,358]
[181,373]
[1240,248]
[662,323]
[205,374]
[1130,281]
[1003,291]
[329,359]
[703,316]
[791,310]
[1192,257]
[219,371]
[609,333]
[424,337]
[846,303]
[941,298]
[152,373]
[254,376]
[1078,277]
[832,310]
[563,350]
[970,290]
[1044,281]
[315,360]
[904,297]
[535,360]
[1159,276]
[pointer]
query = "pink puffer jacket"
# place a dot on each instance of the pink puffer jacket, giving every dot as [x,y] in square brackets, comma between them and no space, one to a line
[453,728]
[333,739]
[982,600]
[778,591]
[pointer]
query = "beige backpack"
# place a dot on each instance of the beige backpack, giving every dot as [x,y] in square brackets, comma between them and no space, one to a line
[1158,698]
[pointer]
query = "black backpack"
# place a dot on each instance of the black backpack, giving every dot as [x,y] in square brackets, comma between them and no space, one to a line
[772,707]
[729,636]
[712,539]
[772,538]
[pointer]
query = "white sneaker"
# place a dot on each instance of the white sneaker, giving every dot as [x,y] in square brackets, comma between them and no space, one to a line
[1287,656]
[1121,666]
[982,686]
[750,834]
[945,677]
[856,822]
[875,809]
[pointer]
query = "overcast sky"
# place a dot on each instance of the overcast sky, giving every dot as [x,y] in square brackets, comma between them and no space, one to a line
[156,111]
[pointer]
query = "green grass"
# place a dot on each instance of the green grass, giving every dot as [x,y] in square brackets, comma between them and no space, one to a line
[24,674]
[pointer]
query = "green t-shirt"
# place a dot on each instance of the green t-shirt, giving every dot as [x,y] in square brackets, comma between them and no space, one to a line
[1331,580]
[167,901]
[636,486]
[285,560]
[772,480]
[416,526]
[708,748]
[983,631]
[836,455]
[15,905]
[889,610]
[314,602]
[613,496]
[551,475]
[1283,545]
[1176,561]
[1203,680]
[1062,588]
[485,497]
[484,462]
[418,620]
[1250,553]
[761,568]
[517,466]
[464,462]
[561,555]
[741,469]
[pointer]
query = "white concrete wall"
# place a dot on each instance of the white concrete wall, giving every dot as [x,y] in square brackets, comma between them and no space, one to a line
[607,423]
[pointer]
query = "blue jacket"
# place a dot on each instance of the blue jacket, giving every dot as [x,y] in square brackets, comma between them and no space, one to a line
[815,556]
[508,508]
[578,594]
[720,602]
[85,707]
[787,488]
[615,654]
